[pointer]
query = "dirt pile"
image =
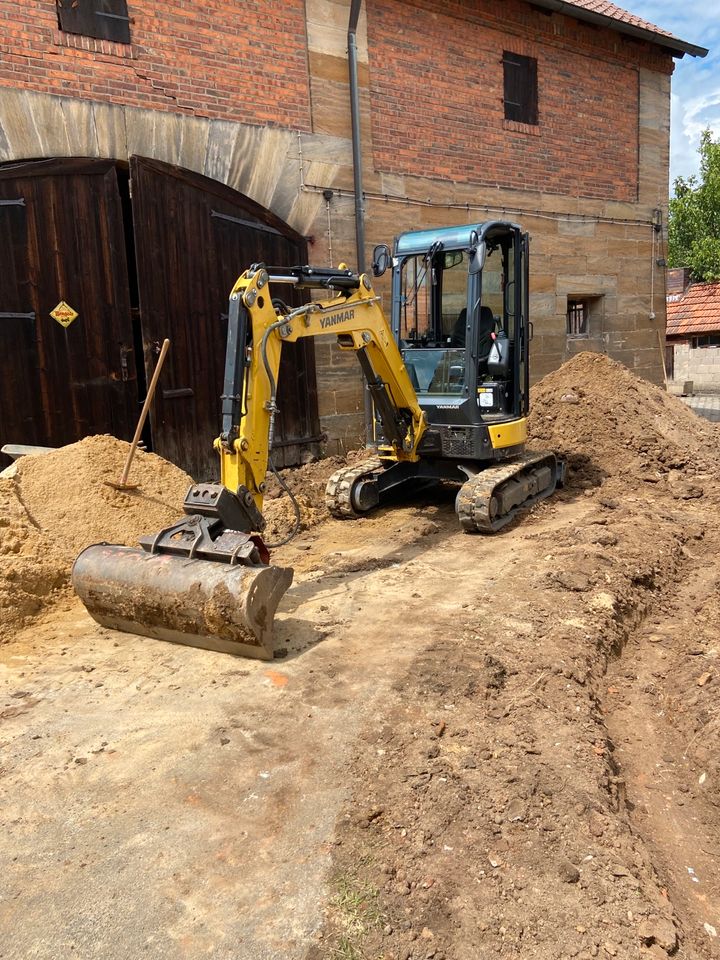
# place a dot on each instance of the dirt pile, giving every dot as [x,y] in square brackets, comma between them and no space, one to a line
[29,568]
[608,423]
[66,495]
[308,487]
[59,503]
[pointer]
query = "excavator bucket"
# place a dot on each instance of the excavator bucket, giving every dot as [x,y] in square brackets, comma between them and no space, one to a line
[217,606]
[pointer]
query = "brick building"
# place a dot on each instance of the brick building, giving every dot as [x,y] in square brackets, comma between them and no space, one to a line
[136,136]
[693,331]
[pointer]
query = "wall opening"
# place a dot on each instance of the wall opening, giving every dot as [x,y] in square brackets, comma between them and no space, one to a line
[584,317]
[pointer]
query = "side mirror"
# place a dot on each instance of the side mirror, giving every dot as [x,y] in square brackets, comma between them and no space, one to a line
[477,260]
[381,259]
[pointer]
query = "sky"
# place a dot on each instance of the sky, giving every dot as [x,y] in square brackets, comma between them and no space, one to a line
[696,81]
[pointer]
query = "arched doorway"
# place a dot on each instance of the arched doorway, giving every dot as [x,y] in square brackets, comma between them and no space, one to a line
[139,255]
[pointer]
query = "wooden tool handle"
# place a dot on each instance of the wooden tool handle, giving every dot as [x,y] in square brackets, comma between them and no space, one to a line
[662,357]
[144,412]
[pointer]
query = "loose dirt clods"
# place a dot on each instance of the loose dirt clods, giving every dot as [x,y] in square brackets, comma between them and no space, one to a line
[474,747]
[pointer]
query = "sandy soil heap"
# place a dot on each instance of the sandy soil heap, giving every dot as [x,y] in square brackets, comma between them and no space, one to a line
[608,422]
[58,503]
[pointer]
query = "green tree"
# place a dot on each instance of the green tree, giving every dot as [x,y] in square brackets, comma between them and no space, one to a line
[694,216]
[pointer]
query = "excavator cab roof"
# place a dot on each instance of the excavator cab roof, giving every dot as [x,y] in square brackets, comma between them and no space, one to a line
[450,238]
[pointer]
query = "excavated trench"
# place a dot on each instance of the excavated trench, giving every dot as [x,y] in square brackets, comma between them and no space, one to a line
[664,732]
[493,803]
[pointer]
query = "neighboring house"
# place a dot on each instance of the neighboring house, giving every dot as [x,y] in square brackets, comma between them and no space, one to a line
[693,331]
[152,149]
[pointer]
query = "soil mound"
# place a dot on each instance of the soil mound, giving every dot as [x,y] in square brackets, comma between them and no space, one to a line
[608,422]
[29,568]
[66,495]
[58,503]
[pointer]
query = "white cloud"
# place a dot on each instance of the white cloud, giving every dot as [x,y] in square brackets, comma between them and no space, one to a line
[689,117]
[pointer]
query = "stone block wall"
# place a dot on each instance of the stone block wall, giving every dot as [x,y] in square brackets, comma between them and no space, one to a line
[699,364]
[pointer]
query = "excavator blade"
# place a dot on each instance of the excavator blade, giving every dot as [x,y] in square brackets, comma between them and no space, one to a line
[201,603]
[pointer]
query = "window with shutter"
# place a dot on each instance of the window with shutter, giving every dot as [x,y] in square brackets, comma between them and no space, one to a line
[520,88]
[103,19]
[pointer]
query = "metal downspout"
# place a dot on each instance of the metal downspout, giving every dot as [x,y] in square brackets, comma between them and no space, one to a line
[357,179]
[356,145]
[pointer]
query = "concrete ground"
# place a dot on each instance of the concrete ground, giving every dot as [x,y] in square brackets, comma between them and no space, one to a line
[705,405]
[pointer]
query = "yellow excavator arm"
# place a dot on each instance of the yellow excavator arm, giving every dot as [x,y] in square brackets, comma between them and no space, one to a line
[258,327]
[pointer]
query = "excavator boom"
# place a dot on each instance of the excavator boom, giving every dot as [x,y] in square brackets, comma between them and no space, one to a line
[354,316]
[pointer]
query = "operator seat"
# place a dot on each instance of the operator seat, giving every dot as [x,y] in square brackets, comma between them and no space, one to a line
[459,333]
[486,326]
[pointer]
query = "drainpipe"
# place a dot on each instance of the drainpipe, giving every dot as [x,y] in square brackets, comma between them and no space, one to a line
[357,177]
[356,147]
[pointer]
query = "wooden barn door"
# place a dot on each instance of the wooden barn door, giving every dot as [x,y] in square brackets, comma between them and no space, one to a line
[62,240]
[21,416]
[193,237]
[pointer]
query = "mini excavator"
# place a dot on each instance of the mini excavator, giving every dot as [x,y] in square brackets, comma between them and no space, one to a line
[449,381]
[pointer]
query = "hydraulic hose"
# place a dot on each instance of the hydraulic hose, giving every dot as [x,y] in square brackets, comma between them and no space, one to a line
[272,406]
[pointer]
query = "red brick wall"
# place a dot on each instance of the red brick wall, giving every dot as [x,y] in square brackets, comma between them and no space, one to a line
[220,58]
[436,80]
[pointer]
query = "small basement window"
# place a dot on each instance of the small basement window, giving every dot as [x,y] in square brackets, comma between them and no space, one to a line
[520,88]
[578,318]
[103,19]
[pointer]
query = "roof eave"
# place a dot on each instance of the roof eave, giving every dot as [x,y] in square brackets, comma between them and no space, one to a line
[675,46]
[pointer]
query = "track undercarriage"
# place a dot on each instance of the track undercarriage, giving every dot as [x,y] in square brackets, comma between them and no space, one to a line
[488,500]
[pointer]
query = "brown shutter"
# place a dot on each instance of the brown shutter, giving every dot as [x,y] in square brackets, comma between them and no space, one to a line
[104,19]
[520,88]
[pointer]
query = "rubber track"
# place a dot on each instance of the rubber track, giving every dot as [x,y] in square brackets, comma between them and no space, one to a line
[473,502]
[338,491]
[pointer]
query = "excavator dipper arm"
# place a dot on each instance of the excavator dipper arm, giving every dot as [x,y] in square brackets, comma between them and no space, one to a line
[255,339]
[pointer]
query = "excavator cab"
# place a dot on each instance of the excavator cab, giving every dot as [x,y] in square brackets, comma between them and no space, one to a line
[460,319]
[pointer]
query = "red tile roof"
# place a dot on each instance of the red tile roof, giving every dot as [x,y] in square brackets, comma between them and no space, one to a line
[601,12]
[617,13]
[698,311]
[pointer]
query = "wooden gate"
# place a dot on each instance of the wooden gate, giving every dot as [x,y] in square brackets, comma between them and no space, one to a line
[66,236]
[62,239]
[193,237]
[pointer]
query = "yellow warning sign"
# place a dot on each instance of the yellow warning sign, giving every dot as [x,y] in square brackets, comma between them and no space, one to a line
[64,314]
